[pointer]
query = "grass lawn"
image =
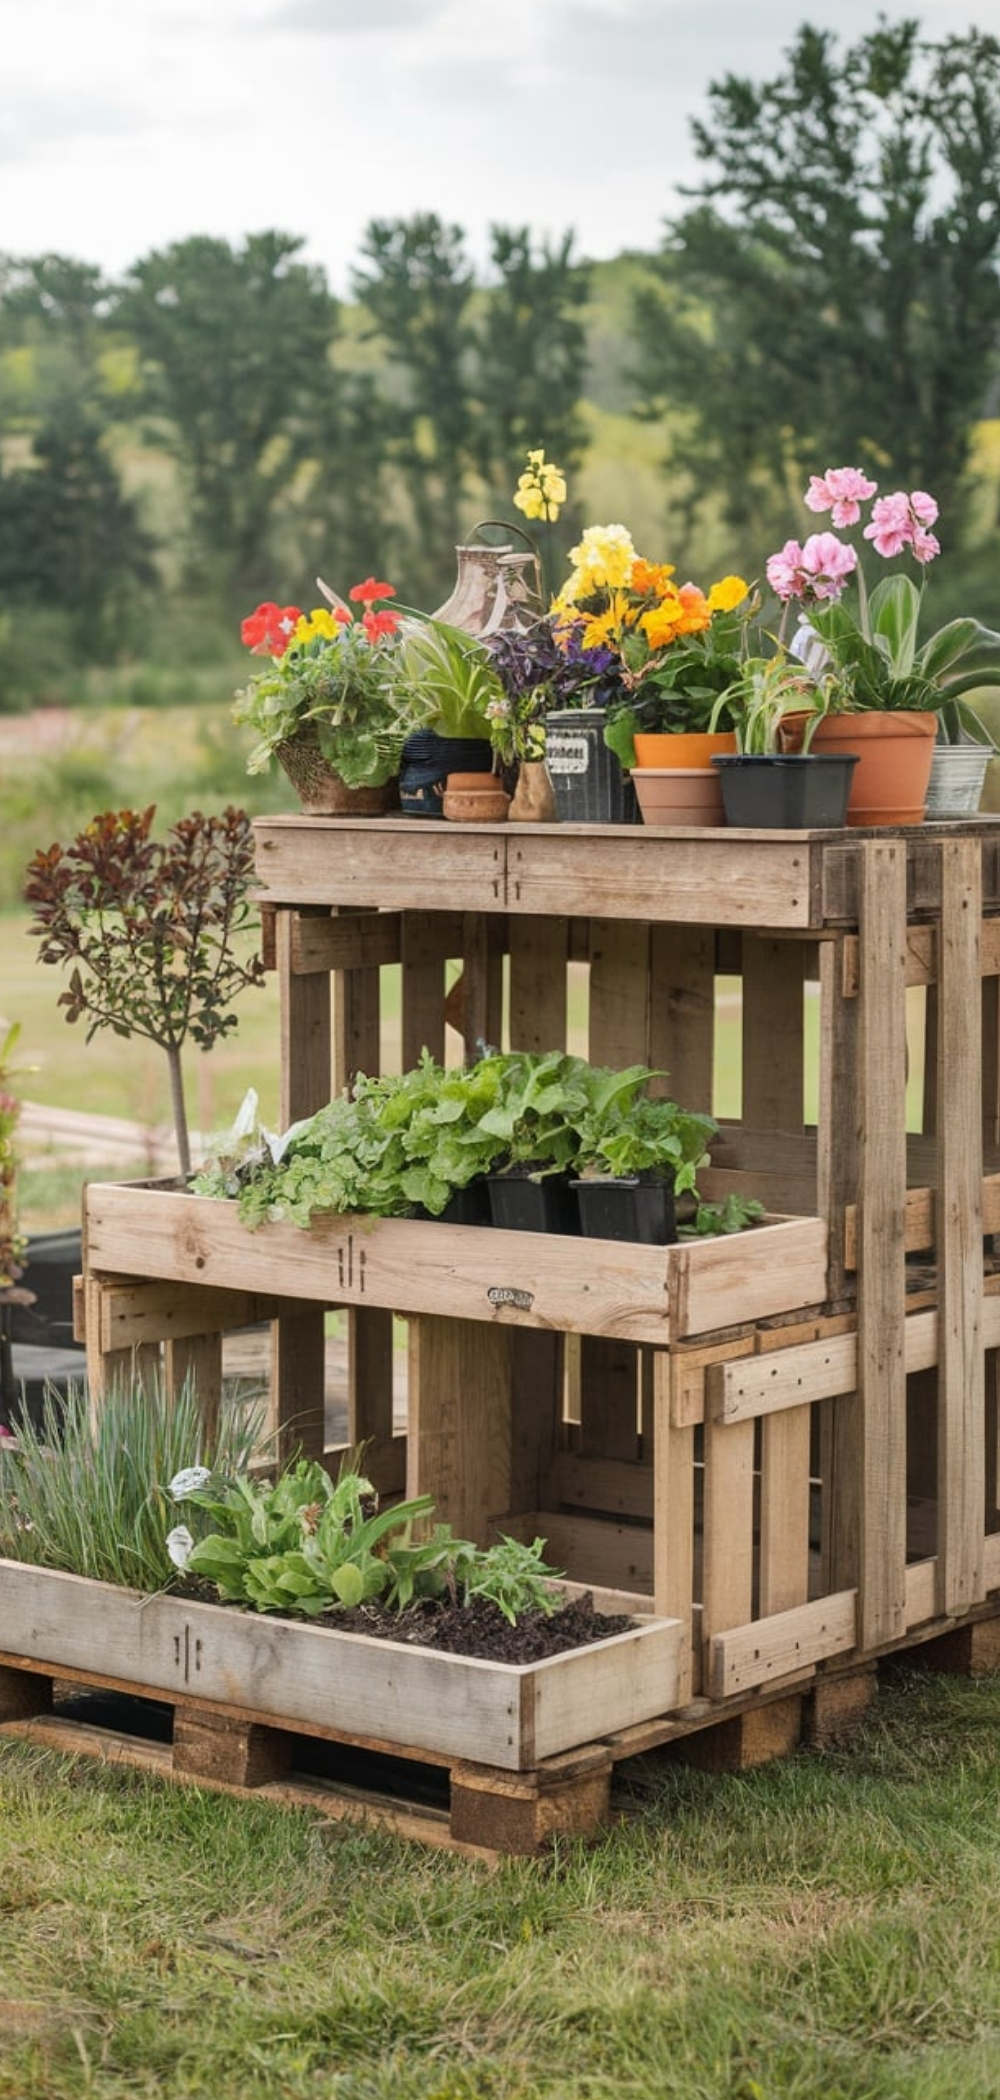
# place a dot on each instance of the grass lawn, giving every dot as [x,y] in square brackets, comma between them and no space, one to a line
[822,1929]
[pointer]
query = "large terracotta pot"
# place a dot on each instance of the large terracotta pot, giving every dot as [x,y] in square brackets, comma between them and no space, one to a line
[656,749]
[894,750]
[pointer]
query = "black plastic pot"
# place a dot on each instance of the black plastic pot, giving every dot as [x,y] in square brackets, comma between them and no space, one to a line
[520,1203]
[468,1206]
[780,791]
[425,763]
[627,1207]
[587,780]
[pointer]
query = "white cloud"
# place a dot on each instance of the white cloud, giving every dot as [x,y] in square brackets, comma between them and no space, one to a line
[127,124]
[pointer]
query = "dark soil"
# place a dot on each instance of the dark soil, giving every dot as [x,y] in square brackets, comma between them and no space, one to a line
[479,1628]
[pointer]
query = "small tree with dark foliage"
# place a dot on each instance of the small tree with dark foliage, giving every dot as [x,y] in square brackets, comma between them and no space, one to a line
[150,928]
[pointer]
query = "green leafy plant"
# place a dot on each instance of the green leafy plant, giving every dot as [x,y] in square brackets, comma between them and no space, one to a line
[334,676]
[88,1490]
[450,679]
[767,690]
[150,929]
[650,1138]
[513,1576]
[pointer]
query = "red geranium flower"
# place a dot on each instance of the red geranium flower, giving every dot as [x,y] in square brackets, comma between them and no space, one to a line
[370,591]
[268,631]
[377,624]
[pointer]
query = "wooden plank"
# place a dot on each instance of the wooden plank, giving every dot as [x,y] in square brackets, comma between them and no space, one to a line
[727,1552]
[472,1272]
[767,1650]
[881,1283]
[682,1012]
[618,1036]
[711,1284]
[764,1384]
[459,1422]
[773,1034]
[688,1368]
[483,943]
[919,1217]
[196,1361]
[295,1393]
[357,1047]
[922,948]
[593,1550]
[608,1485]
[135,1311]
[422,987]
[673,1526]
[408,863]
[649,873]
[784,1511]
[538,982]
[961,1438]
[321,943]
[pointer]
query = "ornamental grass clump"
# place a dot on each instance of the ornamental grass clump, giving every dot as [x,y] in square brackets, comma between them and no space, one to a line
[88,1491]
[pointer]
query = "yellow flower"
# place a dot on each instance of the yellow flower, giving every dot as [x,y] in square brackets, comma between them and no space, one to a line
[663,622]
[541,489]
[604,558]
[726,594]
[320,625]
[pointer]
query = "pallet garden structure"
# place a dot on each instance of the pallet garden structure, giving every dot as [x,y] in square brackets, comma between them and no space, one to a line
[779,1450]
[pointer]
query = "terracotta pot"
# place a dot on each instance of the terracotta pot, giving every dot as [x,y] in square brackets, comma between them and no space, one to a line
[682,750]
[475,798]
[681,795]
[533,800]
[321,791]
[894,753]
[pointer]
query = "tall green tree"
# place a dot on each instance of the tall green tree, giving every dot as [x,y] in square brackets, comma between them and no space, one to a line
[236,347]
[833,292]
[531,359]
[415,281]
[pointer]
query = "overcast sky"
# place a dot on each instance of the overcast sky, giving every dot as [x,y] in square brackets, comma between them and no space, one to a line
[128,124]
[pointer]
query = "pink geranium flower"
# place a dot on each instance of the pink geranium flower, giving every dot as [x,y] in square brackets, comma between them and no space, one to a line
[815,571]
[841,490]
[900,521]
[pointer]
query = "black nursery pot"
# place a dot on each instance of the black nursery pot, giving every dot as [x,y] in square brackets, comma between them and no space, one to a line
[628,1207]
[786,791]
[425,763]
[520,1204]
[468,1206]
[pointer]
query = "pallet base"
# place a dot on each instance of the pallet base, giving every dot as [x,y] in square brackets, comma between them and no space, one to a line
[475,1810]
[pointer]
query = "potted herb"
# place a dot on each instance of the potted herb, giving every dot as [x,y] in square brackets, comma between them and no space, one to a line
[451,686]
[332,708]
[636,1157]
[764,786]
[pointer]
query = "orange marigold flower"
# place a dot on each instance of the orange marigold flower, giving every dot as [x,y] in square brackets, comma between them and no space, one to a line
[662,623]
[650,578]
[696,612]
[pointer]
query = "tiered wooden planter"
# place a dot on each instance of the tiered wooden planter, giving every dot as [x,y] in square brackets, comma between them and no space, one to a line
[785,1442]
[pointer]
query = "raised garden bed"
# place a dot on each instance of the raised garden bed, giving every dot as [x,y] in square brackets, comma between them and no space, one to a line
[511,1716]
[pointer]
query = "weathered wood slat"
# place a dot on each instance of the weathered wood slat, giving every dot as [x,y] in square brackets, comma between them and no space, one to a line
[499,1714]
[961,1439]
[618,1289]
[768,1650]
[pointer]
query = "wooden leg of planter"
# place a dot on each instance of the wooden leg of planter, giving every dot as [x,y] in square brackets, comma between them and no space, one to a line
[23,1693]
[196,1359]
[754,1737]
[523,1811]
[835,1706]
[236,1753]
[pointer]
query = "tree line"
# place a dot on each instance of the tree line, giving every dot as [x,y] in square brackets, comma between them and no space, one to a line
[217,425]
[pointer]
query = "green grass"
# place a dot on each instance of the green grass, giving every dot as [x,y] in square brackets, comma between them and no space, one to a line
[823,1929]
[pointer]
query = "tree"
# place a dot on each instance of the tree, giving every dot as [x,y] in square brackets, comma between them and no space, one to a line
[150,929]
[236,344]
[415,284]
[531,364]
[70,539]
[834,292]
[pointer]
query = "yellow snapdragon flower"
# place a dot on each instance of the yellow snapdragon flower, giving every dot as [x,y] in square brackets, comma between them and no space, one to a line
[541,489]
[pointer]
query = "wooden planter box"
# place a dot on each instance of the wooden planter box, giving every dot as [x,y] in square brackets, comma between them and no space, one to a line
[317,1679]
[620,1290]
